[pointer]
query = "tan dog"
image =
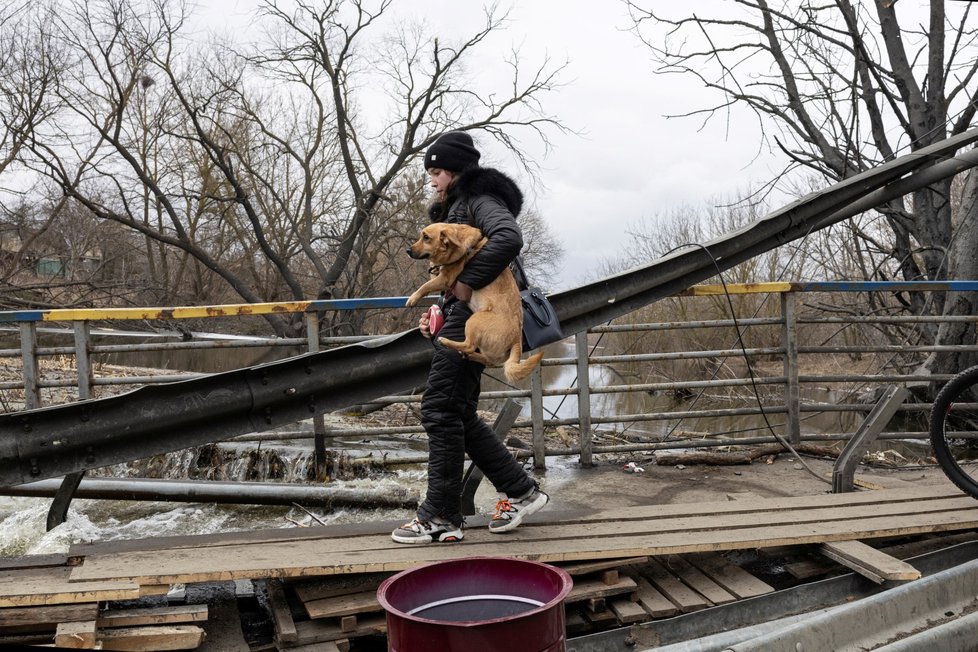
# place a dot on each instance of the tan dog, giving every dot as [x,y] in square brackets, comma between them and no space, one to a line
[494,332]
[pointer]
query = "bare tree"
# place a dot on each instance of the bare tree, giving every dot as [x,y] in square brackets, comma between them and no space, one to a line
[838,88]
[259,167]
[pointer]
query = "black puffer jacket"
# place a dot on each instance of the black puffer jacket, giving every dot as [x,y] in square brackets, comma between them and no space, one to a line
[490,201]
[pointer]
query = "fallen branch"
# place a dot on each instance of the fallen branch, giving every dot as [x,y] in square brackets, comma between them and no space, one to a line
[746,456]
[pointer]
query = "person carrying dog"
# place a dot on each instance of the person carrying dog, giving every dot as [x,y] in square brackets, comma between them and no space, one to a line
[490,201]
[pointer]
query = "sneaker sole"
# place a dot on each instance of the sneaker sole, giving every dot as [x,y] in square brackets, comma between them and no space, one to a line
[529,510]
[444,537]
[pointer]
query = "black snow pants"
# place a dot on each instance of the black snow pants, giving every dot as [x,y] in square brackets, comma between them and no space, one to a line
[448,414]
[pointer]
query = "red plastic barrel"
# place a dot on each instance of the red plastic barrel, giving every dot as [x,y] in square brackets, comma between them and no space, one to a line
[476,603]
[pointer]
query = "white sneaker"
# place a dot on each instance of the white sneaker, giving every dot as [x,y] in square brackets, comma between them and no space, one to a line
[511,512]
[418,531]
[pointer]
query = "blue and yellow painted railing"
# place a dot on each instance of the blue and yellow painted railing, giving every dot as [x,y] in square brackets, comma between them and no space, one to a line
[285,307]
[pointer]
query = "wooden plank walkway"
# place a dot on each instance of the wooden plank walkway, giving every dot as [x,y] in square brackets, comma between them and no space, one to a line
[551,537]
[628,532]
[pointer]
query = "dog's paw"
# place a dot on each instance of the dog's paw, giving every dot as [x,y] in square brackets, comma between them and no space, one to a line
[413,299]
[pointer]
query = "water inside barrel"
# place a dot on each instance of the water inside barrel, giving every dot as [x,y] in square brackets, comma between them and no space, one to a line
[475,607]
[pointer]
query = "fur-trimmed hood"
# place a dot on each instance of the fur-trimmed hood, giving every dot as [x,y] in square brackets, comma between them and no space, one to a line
[481,181]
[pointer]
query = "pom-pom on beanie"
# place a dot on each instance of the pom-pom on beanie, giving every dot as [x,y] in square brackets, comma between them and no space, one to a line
[453,151]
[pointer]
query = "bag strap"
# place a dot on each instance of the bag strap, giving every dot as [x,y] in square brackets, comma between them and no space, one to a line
[537,306]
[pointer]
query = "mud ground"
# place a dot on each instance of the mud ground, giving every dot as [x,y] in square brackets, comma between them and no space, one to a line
[606,485]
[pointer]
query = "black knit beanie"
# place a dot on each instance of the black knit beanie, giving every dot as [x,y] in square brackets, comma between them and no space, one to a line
[453,151]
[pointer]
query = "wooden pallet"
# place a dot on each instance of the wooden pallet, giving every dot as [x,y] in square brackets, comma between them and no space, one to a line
[609,593]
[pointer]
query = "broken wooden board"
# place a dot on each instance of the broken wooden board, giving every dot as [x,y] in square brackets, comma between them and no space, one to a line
[331,587]
[697,580]
[169,615]
[318,631]
[656,604]
[49,586]
[156,637]
[45,618]
[587,589]
[868,561]
[343,605]
[731,577]
[672,588]
[627,612]
[281,613]
[76,636]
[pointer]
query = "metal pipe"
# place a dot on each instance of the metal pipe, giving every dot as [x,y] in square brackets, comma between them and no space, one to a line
[235,493]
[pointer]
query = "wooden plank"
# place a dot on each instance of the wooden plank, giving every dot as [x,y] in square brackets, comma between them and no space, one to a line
[170,615]
[153,589]
[32,561]
[809,568]
[696,579]
[587,589]
[161,637]
[330,587]
[46,618]
[600,618]
[317,631]
[48,586]
[914,548]
[865,559]
[628,612]
[544,518]
[343,605]
[672,588]
[733,578]
[653,602]
[77,636]
[325,646]
[20,641]
[281,613]
[554,544]
[586,568]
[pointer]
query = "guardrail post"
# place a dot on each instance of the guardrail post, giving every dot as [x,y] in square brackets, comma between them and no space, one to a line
[28,354]
[58,511]
[83,363]
[536,416]
[318,420]
[792,391]
[583,397]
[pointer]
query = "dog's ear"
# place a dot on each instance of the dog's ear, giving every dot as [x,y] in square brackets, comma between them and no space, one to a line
[448,238]
[463,237]
[471,239]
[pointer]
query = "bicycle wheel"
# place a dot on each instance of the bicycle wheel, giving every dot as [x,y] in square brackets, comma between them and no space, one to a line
[954,430]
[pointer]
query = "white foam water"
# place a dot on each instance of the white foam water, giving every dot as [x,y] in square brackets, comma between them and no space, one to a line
[23,520]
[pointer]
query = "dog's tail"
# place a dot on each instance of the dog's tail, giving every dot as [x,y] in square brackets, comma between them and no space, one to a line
[515,369]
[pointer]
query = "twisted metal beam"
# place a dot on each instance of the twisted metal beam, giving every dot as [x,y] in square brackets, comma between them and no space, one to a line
[55,441]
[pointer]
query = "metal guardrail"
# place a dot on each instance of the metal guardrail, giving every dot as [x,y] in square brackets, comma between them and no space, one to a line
[788,412]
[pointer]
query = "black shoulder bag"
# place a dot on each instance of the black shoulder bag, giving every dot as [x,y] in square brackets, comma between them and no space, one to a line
[540,323]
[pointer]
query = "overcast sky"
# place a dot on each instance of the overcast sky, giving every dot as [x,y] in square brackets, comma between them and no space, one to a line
[629,162]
